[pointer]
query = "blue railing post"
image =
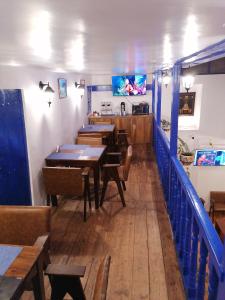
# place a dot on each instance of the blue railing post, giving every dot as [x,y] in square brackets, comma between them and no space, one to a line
[159,97]
[175,109]
[153,94]
[221,287]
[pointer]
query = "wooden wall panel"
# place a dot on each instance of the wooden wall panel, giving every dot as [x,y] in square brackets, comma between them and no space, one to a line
[143,123]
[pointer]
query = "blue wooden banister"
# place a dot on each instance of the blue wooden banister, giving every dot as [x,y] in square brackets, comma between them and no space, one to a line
[196,240]
[198,246]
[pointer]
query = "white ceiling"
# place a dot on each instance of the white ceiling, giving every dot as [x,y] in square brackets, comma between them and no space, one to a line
[105,37]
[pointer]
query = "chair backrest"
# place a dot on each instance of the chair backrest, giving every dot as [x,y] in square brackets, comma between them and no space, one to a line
[127,162]
[63,181]
[101,284]
[217,196]
[102,122]
[133,133]
[91,135]
[22,225]
[83,140]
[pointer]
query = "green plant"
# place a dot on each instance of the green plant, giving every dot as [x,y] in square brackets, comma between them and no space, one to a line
[183,148]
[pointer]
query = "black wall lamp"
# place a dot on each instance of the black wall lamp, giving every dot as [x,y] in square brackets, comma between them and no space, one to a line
[166,78]
[47,89]
[80,86]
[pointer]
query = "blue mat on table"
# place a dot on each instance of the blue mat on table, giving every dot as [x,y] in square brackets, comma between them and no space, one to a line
[93,151]
[73,147]
[62,155]
[94,128]
[7,256]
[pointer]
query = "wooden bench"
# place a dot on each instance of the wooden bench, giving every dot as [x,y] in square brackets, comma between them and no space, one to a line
[217,204]
[66,279]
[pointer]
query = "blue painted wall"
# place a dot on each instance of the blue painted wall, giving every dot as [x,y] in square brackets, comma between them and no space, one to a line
[14,171]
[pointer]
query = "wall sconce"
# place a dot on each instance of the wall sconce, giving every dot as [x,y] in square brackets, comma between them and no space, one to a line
[80,86]
[47,89]
[166,78]
[188,82]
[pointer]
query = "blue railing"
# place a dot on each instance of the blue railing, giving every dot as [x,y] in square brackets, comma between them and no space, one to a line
[200,252]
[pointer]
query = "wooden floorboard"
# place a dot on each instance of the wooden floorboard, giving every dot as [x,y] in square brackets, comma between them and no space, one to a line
[138,238]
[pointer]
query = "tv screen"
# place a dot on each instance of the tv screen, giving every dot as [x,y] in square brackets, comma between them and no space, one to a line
[129,85]
[209,158]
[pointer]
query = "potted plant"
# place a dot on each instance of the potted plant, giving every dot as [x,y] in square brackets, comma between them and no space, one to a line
[165,125]
[186,156]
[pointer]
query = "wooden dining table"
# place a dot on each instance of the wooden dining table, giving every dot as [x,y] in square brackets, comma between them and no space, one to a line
[97,129]
[70,155]
[107,131]
[19,266]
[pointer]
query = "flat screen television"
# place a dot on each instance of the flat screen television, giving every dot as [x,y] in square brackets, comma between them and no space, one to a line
[129,85]
[209,157]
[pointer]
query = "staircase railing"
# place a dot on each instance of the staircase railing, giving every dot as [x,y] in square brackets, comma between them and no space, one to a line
[200,252]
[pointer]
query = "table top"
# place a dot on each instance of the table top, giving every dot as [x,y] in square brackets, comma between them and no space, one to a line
[23,262]
[70,152]
[7,255]
[97,128]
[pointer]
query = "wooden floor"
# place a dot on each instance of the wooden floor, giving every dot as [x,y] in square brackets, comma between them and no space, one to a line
[137,237]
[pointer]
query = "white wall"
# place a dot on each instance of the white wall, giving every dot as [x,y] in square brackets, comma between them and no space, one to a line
[209,124]
[45,127]
[97,97]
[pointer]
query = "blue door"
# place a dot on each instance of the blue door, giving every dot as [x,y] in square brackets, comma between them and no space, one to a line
[14,171]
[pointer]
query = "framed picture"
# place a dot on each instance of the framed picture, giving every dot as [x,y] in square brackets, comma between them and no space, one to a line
[62,85]
[187,104]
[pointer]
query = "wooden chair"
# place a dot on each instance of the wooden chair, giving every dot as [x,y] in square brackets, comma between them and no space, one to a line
[102,123]
[91,135]
[217,204]
[118,173]
[27,226]
[66,279]
[66,181]
[123,138]
[87,140]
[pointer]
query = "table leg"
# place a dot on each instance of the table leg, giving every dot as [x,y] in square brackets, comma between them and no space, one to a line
[38,282]
[96,186]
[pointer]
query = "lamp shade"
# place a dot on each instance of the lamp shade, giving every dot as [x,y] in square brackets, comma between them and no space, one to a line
[166,79]
[49,89]
[188,82]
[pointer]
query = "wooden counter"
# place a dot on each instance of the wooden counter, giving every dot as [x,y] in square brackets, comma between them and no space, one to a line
[143,123]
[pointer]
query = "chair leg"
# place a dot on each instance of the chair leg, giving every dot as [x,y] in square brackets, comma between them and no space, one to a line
[124,185]
[89,195]
[117,180]
[85,205]
[54,200]
[120,192]
[105,183]
[48,200]
[61,285]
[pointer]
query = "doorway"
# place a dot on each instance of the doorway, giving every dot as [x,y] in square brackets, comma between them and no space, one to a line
[14,167]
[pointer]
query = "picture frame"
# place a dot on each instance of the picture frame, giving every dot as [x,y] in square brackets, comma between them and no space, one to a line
[62,87]
[187,104]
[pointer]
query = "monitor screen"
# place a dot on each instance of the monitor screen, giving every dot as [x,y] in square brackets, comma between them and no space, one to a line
[129,85]
[209,157]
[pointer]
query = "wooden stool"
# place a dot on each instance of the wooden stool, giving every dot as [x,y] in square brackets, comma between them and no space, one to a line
[66,279]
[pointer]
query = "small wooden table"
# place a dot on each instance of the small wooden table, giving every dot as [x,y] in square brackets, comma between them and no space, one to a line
[81,156]
[97,129]
[25,267]
[104,130]
[220,227]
